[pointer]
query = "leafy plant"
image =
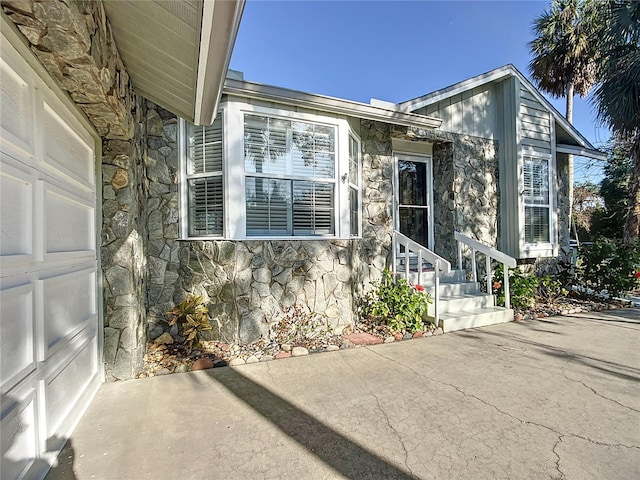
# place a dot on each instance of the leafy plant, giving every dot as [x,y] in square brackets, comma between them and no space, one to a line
[193,316]
[550,289]
[522,287]
[398,304]
[299,324]
[605,265]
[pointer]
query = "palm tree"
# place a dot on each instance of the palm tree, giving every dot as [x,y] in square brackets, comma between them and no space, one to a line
[564,56]
[617,95]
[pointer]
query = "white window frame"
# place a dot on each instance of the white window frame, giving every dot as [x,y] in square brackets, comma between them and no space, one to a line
[416,158]
[548,248]
[357,186]
[185,177]
[234,174]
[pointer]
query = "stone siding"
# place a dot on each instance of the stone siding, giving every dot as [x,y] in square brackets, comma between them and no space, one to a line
[564,235]
[123,252]
[465,192]
[250,284]
[74,41]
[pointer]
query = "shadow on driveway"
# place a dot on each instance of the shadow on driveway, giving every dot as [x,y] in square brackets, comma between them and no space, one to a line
[624,372]
[325,443]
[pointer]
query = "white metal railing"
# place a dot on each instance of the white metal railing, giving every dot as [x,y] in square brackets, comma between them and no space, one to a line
[413,250]
[489,253]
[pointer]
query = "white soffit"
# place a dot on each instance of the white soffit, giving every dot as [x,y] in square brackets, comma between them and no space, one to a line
[177,52]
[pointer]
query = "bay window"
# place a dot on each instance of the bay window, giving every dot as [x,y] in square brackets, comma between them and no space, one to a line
[263,173]
[290,177]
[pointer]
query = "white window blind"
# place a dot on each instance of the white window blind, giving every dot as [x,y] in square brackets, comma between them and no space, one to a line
[259,172]
[204,148]
[290,177]
[205,194]
[536,197]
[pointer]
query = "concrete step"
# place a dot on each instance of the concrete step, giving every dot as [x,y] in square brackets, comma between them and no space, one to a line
[480,317]
[457,303]
[428,277]
[454,289]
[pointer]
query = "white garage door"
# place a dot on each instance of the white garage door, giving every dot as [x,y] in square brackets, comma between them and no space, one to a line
[49,322]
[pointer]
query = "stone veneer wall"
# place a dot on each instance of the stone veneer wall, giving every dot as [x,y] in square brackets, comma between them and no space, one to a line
[466,196]
[249,284]
[564,235]
[123,252]
[74,42]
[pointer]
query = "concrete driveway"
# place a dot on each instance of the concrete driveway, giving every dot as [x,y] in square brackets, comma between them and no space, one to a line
[551,398]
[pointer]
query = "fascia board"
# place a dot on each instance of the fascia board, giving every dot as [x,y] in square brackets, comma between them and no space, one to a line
[581,152]
[455,89]
[328,104]
[220,24]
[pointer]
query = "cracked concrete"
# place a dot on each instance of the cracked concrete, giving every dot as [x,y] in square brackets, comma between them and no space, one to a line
[555,398]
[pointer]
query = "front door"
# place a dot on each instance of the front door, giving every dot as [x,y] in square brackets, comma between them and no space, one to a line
[414,198]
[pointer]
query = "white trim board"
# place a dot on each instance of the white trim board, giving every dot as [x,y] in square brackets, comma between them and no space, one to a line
[328,104]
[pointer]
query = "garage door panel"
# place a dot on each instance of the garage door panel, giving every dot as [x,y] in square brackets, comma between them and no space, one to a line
[69,222]
[16,212]
[17,110]
[68,304]
[65,388]
[17,334]
[65,153]
[49,298]
[18,430]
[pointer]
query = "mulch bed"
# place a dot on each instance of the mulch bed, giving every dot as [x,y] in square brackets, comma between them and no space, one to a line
[167,358]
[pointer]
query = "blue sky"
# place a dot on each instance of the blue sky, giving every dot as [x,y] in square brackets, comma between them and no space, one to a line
[391,50]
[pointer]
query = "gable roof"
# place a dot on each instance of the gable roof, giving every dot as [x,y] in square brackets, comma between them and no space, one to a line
[580,146]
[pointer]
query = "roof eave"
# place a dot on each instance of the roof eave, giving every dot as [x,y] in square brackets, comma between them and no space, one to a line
[456,88]
[581,152]
[328,104]
[220,24]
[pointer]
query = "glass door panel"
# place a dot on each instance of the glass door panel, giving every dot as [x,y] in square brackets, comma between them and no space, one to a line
[414,197]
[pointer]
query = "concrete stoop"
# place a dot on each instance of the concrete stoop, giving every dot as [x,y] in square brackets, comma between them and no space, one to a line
[463,305]
[479,317]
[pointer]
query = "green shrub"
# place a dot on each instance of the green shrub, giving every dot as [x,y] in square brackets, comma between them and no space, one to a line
[193,316]
[522,287]
[397,304]
[609,266]
[550,289]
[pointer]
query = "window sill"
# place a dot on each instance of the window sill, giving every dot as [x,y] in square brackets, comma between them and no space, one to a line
[539,250]
[264,239]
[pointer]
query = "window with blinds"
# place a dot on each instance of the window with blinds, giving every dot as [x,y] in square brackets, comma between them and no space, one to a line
[537,207]
[290,177]
[205,194]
